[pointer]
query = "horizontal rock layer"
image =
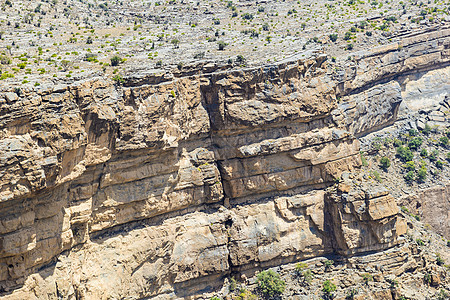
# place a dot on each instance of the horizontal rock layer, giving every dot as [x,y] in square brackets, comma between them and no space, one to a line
[163,189]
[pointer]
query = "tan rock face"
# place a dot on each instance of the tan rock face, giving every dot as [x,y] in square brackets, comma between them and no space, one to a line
[163,189]
[367,219]
[433,207]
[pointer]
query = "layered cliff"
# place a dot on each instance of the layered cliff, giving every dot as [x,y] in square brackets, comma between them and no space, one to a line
[166,185]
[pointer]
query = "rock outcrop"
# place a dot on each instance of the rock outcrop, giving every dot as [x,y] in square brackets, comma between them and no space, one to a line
[164,189]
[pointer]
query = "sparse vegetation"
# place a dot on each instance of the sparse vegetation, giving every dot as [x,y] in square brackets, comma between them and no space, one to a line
[270,283]
[116,60]
[385,163]
[328,288]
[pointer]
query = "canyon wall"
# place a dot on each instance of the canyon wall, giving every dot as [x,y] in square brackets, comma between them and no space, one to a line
[166,185]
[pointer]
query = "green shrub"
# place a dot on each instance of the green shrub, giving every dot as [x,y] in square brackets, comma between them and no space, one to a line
[387,141]
[397,143]
[118,79]
[240,59]
[427,129]
[245,294]
[420,242]
[422,174]
[6,75]
[5,60]
[439,164]
[307,276]
[364,160]
[434,155]
[328,263]
[444,141]
[233,284]
[377,144]
[270,283]
[409,177]
[413,132]
[90,57]
[404,153]
[115,60]
[385,163]
[328,288]
[439,260]
[299,267]
[424,153]
[393,283]
[333,37]
[221,45]
[410,166]
[175,43]
[375,175]
[367,277]
[247,16]
[415,143]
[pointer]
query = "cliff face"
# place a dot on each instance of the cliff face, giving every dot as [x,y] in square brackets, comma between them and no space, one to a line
[166,185]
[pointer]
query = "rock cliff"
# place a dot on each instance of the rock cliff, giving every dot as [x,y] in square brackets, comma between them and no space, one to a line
[164,186]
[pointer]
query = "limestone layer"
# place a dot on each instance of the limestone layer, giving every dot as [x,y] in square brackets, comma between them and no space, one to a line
[166,185]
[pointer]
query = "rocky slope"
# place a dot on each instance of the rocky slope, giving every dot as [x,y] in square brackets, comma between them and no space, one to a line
[166,185]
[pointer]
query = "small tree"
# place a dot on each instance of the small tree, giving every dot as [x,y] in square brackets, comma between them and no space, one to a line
[65,64]
[119,79]
[328,264]
[116,60]
[176,43]
[247,16]
[299,267]
[424,153]
[422,174]
[270,283]
[409,177]
[404,153]
[415,143]
[410,166]
[385,163]
[333,37]
[328,288]
[413,132]
[221,45]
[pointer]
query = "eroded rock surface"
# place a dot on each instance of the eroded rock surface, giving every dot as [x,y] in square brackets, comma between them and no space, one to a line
[164,189]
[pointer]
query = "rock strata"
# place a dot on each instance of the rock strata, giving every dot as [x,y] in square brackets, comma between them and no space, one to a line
[164,189]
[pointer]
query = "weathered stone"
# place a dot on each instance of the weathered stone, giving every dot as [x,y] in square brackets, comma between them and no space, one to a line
[131,179]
